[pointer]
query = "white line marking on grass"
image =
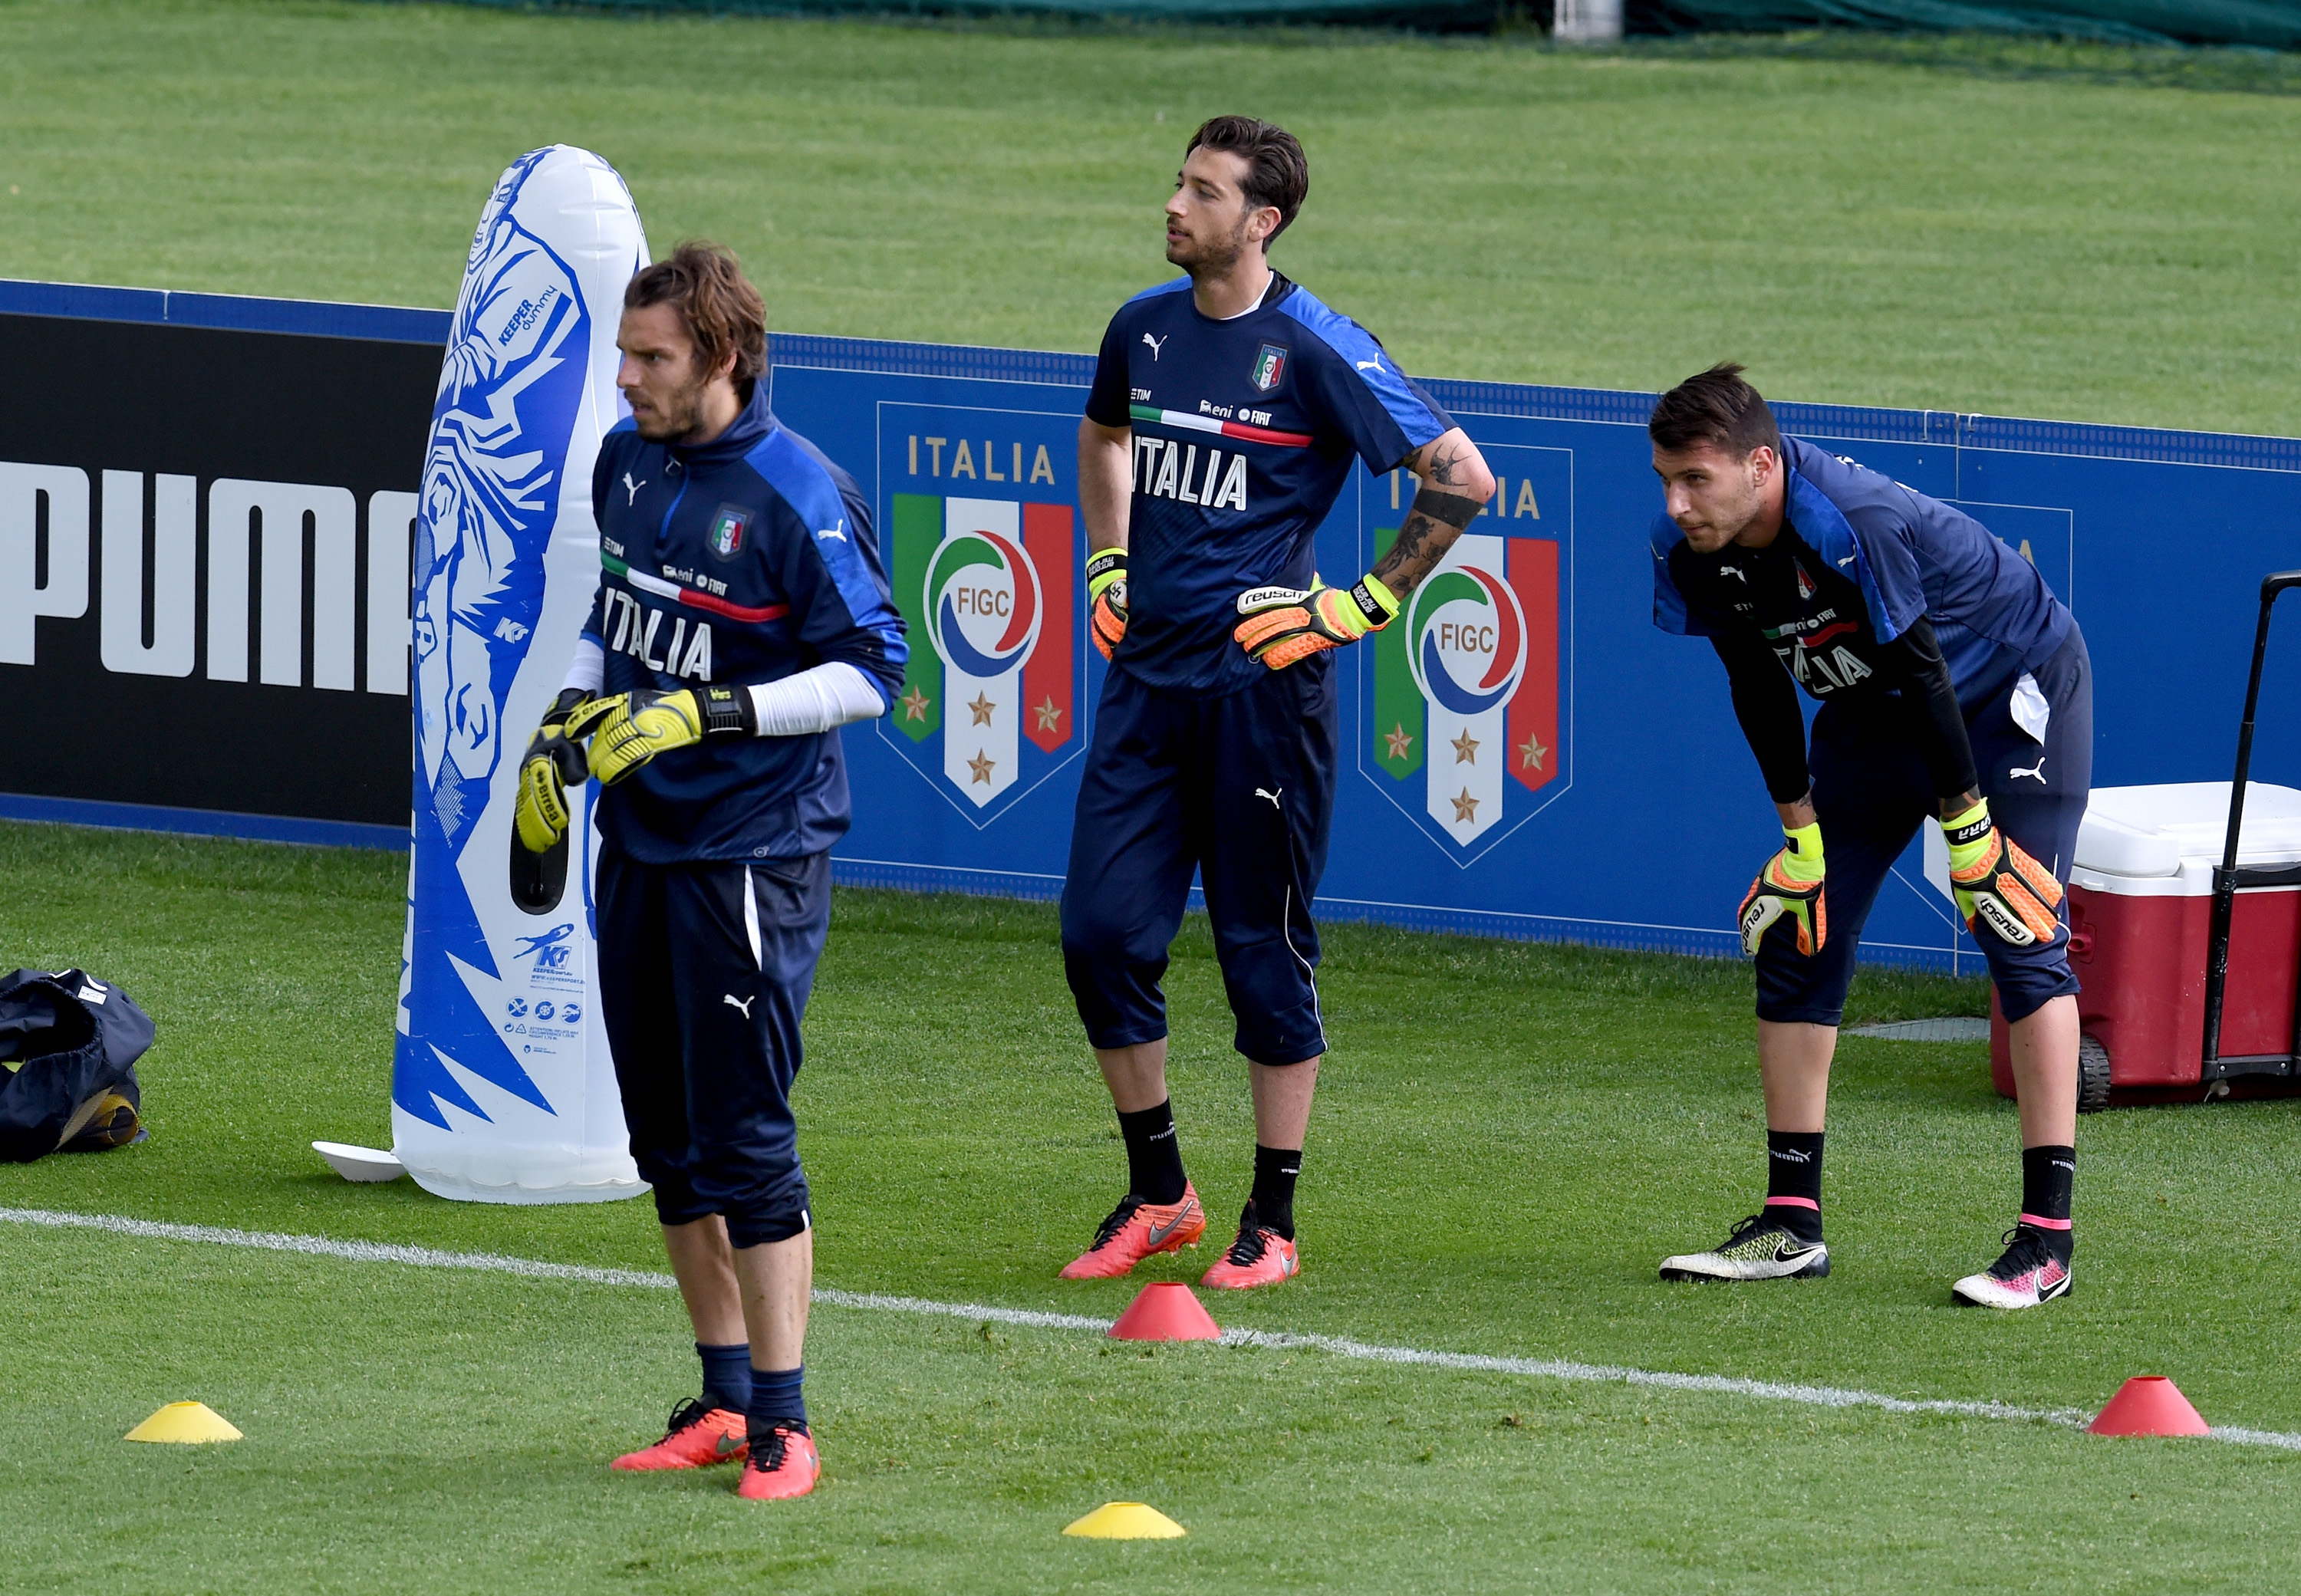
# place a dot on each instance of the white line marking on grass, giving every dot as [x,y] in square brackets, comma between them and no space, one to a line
[358,1252]
[1540,1368]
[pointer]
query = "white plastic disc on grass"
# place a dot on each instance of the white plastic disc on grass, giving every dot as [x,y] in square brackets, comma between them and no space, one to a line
[359,1163]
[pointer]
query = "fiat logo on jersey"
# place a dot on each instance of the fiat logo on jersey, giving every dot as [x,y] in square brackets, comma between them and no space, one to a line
[1466,636]
[982,604]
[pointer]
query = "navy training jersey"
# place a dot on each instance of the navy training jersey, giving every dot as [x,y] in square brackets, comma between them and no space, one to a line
[1861,558]
[1244,432]
[744,561]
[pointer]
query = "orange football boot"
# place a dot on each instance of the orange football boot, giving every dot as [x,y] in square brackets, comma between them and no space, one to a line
[788,1466]
[1260,1257]
[1137,1229]
[696,1437]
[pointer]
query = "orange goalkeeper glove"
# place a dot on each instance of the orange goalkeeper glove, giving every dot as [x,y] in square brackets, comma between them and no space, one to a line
[1106,594]
[1285,624]
[1998,884]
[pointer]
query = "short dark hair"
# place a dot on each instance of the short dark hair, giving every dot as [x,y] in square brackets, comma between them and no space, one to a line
[1716,407]
[1278,171]
[719,307]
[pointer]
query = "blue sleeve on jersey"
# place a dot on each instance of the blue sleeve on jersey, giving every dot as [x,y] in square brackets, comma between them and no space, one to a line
[1108,401]
[1880,560]
[1383,411]
[841,603]
[1670,608]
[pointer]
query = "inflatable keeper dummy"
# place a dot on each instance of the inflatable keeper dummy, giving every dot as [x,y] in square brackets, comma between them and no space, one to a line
[502,1089]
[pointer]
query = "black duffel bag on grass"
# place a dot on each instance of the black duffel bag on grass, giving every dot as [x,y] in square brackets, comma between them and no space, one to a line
[71,1044]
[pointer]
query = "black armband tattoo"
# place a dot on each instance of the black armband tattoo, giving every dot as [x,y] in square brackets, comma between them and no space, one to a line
[1457,510]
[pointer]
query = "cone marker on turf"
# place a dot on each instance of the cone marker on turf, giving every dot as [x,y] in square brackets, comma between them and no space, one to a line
[2149,1405]
[1165,1310]
[185,1423]
[1125,1521]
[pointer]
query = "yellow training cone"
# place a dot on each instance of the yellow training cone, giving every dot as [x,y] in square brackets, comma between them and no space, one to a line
[190,1424]
[1126,1521]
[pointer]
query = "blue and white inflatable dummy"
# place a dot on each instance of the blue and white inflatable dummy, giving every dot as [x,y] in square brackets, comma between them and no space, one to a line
[502,1089]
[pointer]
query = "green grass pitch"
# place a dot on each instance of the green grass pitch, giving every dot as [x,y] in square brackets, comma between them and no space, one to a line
[1856,231]
[1502,1183]
[1508,1136]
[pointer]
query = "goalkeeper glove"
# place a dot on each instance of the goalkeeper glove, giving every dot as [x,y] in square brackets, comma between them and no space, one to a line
[1106,597]
[1996,882]
[1790,884]
[1285,624]
[551,764]
[632,728]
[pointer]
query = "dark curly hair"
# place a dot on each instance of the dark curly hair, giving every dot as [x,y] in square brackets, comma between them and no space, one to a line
[1278,171]
[719,307]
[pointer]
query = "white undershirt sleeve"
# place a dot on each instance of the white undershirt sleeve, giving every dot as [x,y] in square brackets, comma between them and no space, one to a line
[589,669]
[831,694]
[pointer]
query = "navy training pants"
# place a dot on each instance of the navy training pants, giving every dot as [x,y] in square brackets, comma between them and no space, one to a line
[1871,791]
[1242,788]
[704,974]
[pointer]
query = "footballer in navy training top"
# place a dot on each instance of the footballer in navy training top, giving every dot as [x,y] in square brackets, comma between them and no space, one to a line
[1228,407]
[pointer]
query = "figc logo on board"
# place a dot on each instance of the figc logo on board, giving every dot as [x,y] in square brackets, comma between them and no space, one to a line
[986,574]
[1465,727]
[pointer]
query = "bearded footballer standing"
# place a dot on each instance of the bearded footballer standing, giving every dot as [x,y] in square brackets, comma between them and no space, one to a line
[1952,684]
[742,617]
[1228,407]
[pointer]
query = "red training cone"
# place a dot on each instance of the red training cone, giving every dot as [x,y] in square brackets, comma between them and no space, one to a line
[1164,1311]
[2149,1405]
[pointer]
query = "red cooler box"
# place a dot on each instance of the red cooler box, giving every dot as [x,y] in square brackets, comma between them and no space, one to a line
[2140,916]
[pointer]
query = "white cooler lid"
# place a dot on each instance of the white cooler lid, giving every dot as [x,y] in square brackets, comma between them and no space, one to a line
[2151,832]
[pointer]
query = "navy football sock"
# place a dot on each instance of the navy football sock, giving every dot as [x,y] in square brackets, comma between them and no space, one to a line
[777,1399]
[1275,1169]
[726,1375]
[1154,1159]
[2047,1174]
[1794,1182]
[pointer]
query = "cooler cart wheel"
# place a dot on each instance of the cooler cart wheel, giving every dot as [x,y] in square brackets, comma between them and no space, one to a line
[2093,1076]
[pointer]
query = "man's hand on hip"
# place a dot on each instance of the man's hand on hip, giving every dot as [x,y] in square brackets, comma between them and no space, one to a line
[1285,624]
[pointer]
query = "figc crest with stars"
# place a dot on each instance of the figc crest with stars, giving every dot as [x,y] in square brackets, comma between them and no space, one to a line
[1466,725]
[985,562]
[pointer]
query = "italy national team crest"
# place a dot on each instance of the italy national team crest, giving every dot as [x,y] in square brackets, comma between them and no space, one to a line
[989,587]
[1269,367]
[727,527]
[1463,725]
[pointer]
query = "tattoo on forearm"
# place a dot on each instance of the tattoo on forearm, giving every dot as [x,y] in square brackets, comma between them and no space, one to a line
[1431,527]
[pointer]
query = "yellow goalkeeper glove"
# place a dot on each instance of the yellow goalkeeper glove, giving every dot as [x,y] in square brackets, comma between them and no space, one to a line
[632,728]
[552,763]
[1789,885]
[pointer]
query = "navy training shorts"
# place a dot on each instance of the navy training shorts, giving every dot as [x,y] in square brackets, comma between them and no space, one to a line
[704,974]
[1239,787]
[1872,791]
